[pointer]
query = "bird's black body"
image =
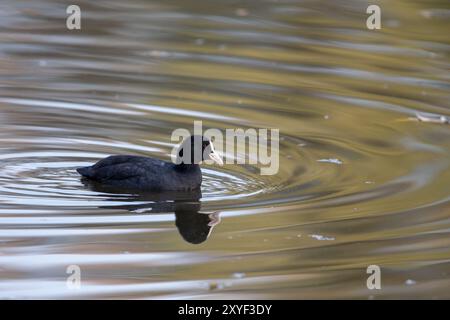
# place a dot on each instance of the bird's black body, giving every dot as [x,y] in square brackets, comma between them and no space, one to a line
[148,174]
[143,173]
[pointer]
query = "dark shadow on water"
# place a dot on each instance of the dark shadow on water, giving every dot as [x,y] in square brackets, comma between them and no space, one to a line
[193,226]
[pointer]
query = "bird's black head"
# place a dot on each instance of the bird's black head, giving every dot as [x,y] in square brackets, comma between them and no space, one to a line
[195,149]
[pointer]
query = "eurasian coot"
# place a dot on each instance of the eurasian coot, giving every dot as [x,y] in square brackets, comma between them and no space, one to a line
[148,174]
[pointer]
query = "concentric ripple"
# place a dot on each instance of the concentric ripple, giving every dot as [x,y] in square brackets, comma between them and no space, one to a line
[363,175]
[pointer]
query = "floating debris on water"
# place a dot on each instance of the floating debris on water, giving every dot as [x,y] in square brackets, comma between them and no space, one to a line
[432,118]
[219,285]
[320,237]
[331,160]
[142,210]
[158,54]
[238,275]
[435,13]
[410,282]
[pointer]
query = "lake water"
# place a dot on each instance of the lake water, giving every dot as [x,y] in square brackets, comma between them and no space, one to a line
[364,177]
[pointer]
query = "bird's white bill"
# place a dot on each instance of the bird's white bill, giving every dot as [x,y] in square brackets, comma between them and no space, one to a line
[214,156]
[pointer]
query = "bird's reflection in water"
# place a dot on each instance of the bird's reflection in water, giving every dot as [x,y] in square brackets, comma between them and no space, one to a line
[194,226]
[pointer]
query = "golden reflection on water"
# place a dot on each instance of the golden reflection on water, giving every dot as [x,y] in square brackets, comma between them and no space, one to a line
[138,70]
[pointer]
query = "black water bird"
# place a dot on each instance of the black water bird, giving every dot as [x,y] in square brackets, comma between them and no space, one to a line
[130,172]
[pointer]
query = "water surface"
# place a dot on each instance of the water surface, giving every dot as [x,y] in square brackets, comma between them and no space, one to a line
[362,180]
